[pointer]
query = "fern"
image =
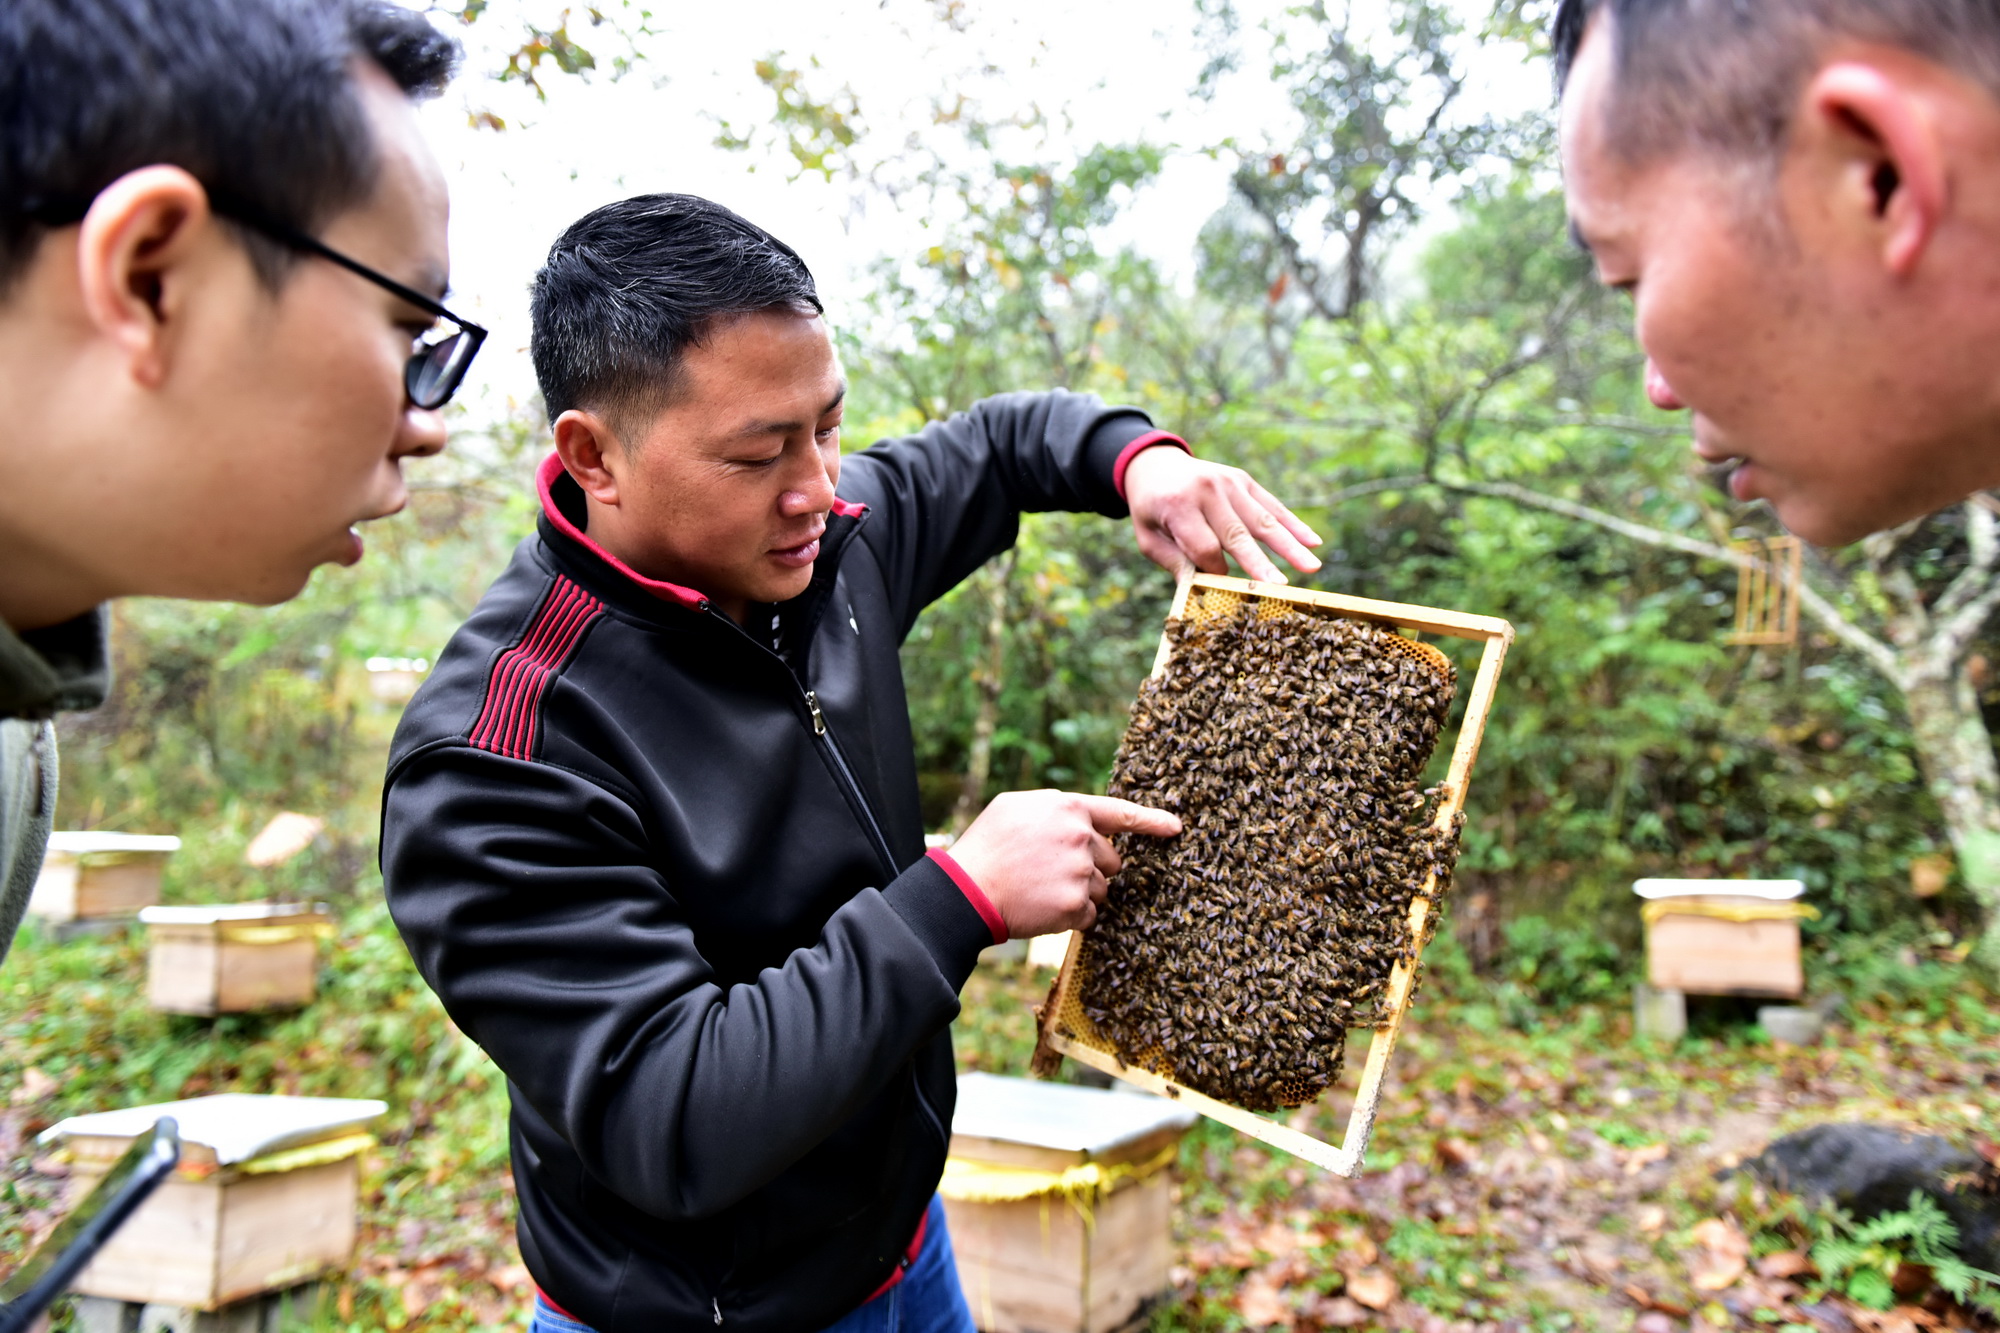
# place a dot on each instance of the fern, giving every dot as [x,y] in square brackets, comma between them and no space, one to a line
[1860,1259]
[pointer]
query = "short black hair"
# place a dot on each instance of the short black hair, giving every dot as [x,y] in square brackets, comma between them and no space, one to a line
[631,286]
[1726,74]
[254,98]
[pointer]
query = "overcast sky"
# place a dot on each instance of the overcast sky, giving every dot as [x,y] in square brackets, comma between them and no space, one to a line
[1100,71]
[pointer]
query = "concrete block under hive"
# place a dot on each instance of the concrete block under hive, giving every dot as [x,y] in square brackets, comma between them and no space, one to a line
[1059,1202]
[266,1197]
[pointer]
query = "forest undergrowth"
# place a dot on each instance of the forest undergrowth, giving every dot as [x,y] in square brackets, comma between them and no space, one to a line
[1535,1168]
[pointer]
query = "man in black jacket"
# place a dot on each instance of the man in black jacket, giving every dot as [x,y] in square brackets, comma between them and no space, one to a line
[652,827]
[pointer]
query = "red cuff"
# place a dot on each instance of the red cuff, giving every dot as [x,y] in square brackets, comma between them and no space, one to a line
[1138,446]
[966,885]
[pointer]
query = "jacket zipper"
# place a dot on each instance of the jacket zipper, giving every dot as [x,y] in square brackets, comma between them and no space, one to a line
[842,773]
[853,791]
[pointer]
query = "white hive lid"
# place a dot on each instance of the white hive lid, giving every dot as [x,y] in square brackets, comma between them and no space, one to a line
[1058,1115]
[236,1125]
[84,843]
[1777,890]
[211,913]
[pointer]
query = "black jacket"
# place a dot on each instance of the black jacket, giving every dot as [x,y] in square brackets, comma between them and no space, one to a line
[674,882]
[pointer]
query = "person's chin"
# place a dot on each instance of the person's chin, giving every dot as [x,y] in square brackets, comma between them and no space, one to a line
[782,583]
[1812,519]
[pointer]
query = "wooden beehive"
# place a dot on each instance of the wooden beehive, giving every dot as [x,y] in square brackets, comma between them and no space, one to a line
[97,876]
[1066,1030]
[231,958]
[1724,937]
[266,1197]
[1060,1203]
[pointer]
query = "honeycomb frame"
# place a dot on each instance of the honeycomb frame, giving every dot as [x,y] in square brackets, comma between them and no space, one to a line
[1064,1029]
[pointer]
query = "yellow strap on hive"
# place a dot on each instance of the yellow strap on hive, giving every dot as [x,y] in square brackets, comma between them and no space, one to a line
[986,1182]
[312,1154]
[282,933]
[1737,912]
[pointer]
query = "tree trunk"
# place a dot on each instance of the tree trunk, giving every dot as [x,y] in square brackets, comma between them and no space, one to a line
[988,679]
[1955,753]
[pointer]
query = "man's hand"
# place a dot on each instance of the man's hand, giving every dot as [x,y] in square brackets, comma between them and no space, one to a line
[1042,858]
[1188,512]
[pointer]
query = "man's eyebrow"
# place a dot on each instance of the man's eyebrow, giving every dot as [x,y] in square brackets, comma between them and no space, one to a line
[754,429]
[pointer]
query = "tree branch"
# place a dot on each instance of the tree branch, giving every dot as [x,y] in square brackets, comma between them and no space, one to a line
[1982,534]
[1880,655]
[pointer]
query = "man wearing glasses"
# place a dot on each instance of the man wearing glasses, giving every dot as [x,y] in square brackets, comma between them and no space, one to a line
[222,240]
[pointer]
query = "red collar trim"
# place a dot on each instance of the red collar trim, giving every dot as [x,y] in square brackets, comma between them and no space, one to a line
[545,480]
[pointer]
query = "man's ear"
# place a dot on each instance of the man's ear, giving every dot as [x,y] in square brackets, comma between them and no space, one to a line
[1871,139]
[590,453]
[138,230]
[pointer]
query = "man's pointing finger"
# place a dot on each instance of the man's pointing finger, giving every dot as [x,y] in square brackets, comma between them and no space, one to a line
[1110,815]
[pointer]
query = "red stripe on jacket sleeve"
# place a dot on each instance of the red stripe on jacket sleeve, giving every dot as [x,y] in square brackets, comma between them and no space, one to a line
[508,721]
[1139,446]
[973,894]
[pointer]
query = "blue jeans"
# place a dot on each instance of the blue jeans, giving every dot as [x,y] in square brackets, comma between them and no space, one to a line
[927,1300]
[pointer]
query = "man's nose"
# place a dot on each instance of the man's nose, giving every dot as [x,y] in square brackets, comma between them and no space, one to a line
[812,490]
[1659,392]
[419,434]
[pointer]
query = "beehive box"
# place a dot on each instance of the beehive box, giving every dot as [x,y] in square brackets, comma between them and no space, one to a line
[1724,937]
[98,876]
[265,1197]
[1067,1030]
[234,957]
[1060,1203]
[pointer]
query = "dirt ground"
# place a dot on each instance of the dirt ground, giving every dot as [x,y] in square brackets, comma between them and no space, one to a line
[1568,1178]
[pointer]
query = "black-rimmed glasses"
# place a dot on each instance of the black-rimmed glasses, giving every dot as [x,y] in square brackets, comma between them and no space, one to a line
[438,364]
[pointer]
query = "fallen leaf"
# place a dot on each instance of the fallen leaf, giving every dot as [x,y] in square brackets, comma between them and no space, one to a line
[1339,1312]
[1654,1322]
[35,1085]
[1356,1252]
[1640,1158]
[1277,1240]
[1455,1154]
[1373,1288]
[1651,1219]
[514,1277]
[1786,1263]
[1717,1233]
[1262,1304]
[1724,1255]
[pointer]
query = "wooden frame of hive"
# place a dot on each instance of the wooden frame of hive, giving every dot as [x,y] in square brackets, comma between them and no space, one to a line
[1058,1035]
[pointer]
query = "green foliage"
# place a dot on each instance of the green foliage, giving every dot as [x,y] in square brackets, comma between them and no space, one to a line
[1559,968]
[1861,1260]
[816,133]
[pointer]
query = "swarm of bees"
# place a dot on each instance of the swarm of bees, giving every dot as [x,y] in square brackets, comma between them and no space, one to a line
[1234,957]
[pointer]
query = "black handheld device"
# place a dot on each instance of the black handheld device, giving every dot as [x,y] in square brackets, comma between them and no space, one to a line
[78,1237]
